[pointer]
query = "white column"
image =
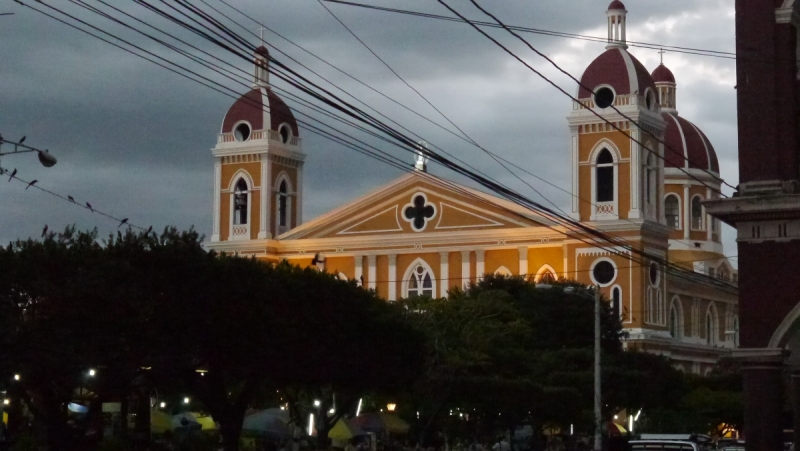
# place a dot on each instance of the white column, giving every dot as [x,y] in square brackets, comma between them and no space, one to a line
[299,194]
[392,277]
[523,261]
[576,172]
[266,193]
[479,265]
[371,272]
[359,269]
[465,275]
[217,197]
[708,217]
[687,212]
[444,273]
[635,168]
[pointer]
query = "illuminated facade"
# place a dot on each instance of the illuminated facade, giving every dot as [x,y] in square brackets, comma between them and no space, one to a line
[421,235]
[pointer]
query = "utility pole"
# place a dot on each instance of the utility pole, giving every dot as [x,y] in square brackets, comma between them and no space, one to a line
[598,412]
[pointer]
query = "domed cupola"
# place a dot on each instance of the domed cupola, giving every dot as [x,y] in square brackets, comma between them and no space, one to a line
[665,84]
[616,76]
[260,113]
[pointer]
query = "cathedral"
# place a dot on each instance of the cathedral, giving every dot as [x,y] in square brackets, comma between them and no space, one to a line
[643,180]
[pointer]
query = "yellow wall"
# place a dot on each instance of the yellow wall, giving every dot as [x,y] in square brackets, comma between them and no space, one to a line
[382,275]
[454,266]
[540,256]
[494,259]
[344,265]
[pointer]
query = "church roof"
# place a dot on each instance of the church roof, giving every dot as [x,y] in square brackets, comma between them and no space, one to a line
[663,75]
[619,69]
[616,4]
[692,149]
[263,109]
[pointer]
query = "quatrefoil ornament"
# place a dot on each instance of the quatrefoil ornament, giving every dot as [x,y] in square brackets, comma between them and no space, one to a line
[418,212]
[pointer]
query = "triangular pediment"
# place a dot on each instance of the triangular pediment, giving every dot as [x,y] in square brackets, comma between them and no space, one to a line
[419,203]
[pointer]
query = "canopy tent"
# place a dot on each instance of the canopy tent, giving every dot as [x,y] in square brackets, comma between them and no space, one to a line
[381,422]
[160,422]
[192,420]
[344,429]
[269,422]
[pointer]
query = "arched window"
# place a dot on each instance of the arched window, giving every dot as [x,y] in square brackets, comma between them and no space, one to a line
[673,322]
[660,311]
[240,203]
[502,271]
[672,211]
[546,275]
[651,188]
[697,213]
[420,281]
[650,306]
[283,203]
[604,189]
[616,302]
[711,325]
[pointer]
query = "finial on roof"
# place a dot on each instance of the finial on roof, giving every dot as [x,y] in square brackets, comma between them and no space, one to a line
[421,162]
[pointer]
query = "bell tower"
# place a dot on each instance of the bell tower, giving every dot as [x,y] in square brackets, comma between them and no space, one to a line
[258,165]
[616,126]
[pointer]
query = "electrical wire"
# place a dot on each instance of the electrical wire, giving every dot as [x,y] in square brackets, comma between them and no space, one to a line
[392,133]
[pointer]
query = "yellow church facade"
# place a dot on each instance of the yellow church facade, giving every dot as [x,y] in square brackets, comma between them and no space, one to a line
[643,183]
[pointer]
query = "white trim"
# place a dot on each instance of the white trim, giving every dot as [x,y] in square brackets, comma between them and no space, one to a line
[393,277]
[410,270]
[615,157]
[291,134]
[678,306]
[632,78]
[702,213]
[479,265]
[683,141]
[237,124]
[425,203]
[372,271]
[276,186]
[466,277]
[777,340]
[545,268]
[358,263]
[240,174]
[523,261]
[595,263]
[217,198]
[711,310]
[687,210]
[621,301]
[599,87]
[490,222]
[503,271]
[264,229]
[444,273]
[399,228]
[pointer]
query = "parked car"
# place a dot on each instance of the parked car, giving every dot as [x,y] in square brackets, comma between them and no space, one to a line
[665,445]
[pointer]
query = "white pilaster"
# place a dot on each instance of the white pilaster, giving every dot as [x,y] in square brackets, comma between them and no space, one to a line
[708,217]
[687,212]
[523,261]
[372,271]
[444,273]
[217,197]
[576,204]
[359,268]
[635,168]
[465,275]
[479,265]
[266,193]
[392,277]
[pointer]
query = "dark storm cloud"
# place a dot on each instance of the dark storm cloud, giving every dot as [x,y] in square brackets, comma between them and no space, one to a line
[134,139]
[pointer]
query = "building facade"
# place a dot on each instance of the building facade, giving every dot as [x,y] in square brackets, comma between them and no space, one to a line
[640,173]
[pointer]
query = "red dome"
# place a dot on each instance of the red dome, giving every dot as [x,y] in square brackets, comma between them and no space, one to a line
[619,69]
[261,50]
[687,146]
[663,75]
[263,109]
[616,4]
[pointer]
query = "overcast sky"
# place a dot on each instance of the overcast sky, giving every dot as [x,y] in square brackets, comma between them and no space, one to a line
[134,139]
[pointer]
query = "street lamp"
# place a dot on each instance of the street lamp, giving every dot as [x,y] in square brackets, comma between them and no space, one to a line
[598,414]
[16,377]
[92,373]
[45,157]
[186,400]
[391,406]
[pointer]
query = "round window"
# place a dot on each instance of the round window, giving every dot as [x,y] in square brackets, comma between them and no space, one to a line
[604,97]
[242,132]
[285,132]
[604,272]
[653,273]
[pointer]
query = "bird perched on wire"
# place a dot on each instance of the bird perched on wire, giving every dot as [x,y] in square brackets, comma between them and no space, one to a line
[44,231]
[71,199]
[13,173]
[22,140]
[90,207]
[33,182]
[124,221]
[149,229]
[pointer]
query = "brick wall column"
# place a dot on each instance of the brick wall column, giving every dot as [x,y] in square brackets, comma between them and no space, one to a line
[762,370]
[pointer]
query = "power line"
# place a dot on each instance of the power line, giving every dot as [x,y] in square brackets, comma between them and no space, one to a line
[372,122]
[671,48]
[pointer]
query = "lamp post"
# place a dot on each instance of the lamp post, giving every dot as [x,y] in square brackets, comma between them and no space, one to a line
[45,157]
[598,412]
